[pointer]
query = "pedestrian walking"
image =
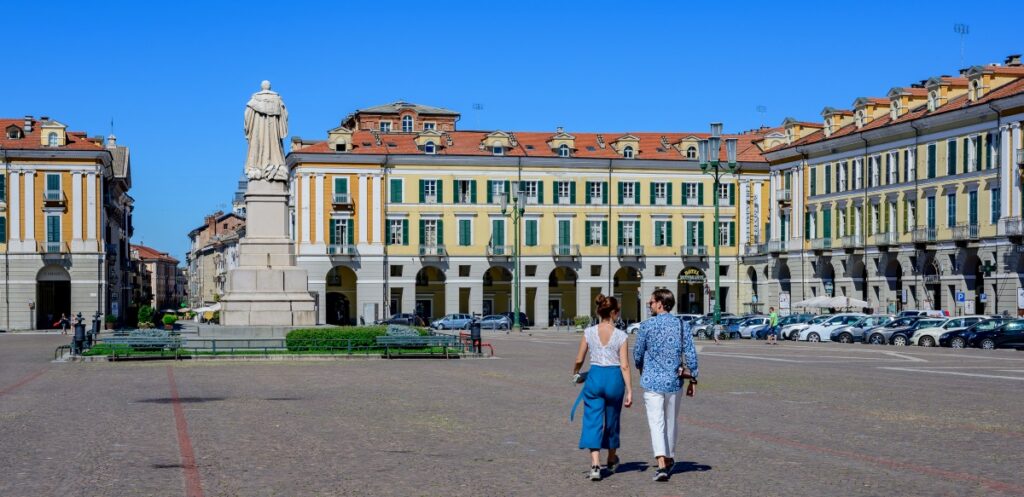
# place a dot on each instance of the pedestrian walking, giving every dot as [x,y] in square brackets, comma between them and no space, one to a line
[64,323]
[606,388]
[659,346]
[773,326]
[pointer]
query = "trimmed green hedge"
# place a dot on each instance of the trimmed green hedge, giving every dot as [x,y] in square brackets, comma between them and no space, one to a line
[307,339]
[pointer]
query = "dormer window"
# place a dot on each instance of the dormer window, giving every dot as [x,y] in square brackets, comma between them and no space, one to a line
[407,124]
[691,153]
[975,90]
[52,139]
[429,126]
[385,126]
[627,152]
[429,148]
[498,150]
[14,133]
[563,150]
[894,110]
[860,118]
[340,147]
[933,100]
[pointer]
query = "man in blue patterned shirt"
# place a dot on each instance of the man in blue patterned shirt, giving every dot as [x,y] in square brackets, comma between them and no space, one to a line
[660,345]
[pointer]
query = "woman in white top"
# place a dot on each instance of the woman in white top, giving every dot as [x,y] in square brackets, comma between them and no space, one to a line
[607,383]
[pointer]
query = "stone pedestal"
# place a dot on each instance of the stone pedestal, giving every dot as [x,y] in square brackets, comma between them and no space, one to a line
[267,289]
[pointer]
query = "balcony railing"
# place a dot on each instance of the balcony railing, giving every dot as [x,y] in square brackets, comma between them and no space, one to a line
[887,239]
[694,250]
[965,232]
[500,251]
[776,246]
[1020,157]
[931,279]
[52,247]
[53,197]
[755,249]
[784,195]
[342,199]
[433,251]
[571,250]
[346,249]
[852,241]
[1011,226]
[821,244]
[631,251]
[923,234]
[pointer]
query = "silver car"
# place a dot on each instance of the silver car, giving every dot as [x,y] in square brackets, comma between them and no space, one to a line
[855,332]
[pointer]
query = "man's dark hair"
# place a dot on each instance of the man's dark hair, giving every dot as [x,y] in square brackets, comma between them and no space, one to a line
[665,297]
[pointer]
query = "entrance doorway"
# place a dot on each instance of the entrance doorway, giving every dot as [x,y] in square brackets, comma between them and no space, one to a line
[53,296]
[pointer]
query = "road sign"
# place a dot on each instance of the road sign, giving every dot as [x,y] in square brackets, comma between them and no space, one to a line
[983,297]
[903,296]
[961,297]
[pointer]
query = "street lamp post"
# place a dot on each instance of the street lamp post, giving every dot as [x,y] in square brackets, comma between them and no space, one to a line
[709,153]
[518,208]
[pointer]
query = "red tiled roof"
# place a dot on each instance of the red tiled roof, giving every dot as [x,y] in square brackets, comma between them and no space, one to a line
[148,253]
[76,140]
[468,143]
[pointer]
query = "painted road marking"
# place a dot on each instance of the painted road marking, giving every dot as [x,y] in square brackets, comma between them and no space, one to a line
[21,382]
[954,373]
[193,486]
[904,356]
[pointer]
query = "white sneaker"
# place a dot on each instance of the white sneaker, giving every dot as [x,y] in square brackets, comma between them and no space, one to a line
[595,473]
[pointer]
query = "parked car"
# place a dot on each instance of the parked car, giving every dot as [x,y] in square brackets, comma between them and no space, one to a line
[913,313]
[750,324]
[880,334]
[791,331]
[855,332]
[793,319]
[524,320]
[452,322]
[815,332]
[687,318]
[404,318]
[495,322]
[958,339]
[731,326]
[633,328]
[929,337]
[902,337]
[1009,335]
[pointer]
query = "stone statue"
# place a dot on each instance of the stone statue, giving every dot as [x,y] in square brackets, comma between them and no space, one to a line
[266,125]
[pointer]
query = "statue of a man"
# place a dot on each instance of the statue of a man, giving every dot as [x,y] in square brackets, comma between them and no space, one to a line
[266,125]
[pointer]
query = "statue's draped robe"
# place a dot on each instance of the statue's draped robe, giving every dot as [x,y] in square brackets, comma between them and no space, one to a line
[266,125]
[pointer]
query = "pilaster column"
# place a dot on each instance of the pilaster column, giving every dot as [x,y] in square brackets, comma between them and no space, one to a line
[744,215]
[797,221]
[378,220]
[91,193]
[319,232]
[30,210]
[451,297]
[1015,130]
[304,208]
[1006,171]
[363,200]
[14,207]
[76,211]
[539,316]
[773,195]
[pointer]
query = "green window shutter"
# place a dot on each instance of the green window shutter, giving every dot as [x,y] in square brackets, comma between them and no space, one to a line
[499,230]
[340,185]
[440,191]
[572,192]
[619,237]
[688,234]
[463,235]
[714,234]
[814,181]
[700,193]
[619,185]
[828,179]
[53,228]
[604,192]
[540,192]
[636,233]
[668,193]
[53,182]
[396,191]
[732,194]
[586,192]
[423,232]
[906,217]
[3,230]
[668,231]
[490,191]
[423,197]
[700,232]
[564,235]
[982,149]
[807,226]
[967,141]
[440,232]
[351,232]
[732,233]
[652,194]
[931,160]
[472,191]
[508,189]
[636,191]
[586,237]
[604,233]
[333,225]
[826,223]
[3,188]
[531,232]
[405,232]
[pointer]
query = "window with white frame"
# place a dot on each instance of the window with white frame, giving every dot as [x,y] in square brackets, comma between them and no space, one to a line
[628,193]
[498,150]
[857,220]
[464,191]
[911,165]
[812,225]
[876,170]
[892,168]
[563,150]
[497,189]
[430,191]
[429,126]
[858,173]
[407,124]
[660,193]
[396,231]
[429,148]
[723,194]
[596,192]
[842,222]
[430,232]
[564,192]
[52,139]
[661,234]
[690,191]
[691,153]
[529,188]
[843,174]
[874,228]
[627,152]
[972,153]
[911,214]
[628,233]
[891,228]
[385,126]
[723,233]
[595,232]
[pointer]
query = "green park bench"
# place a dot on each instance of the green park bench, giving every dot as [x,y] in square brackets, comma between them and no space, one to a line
[145,342]
[431,342]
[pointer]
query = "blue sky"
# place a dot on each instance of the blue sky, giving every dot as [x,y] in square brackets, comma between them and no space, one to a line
[174,78]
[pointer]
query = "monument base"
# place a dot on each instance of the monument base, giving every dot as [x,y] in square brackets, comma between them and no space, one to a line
[267,289]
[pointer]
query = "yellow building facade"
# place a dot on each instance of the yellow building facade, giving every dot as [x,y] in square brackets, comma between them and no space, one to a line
[398,211]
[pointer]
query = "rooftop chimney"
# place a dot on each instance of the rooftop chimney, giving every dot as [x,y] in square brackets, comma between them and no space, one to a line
[559,130]
[28,124]
[1012,60]
[111,141]
[45,118]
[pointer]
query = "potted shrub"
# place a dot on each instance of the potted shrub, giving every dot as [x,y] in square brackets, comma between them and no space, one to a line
[169,320]
[109,321]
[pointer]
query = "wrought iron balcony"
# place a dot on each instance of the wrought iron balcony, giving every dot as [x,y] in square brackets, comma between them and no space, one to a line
[776,246]
[784,195]
[924,234]
[53,247]
[434,251]
[852,241]
[821,244]
[1011,226]
[887,239]
[570,250]
[931,279]
[345,249]
[755,249]
[342,200]
[500,251]
[630,251]
[965,232]
[693,250]
[53,197]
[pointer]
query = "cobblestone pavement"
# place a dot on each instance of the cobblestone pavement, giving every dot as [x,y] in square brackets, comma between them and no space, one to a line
[787,420]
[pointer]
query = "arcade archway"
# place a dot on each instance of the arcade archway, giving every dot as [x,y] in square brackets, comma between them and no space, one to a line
[562,294]
[53,296]
[430,293]
[626,283]
[340,299]
[690,291]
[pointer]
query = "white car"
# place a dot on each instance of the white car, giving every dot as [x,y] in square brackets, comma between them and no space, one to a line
[633,328]
[823,330]
[929,337]
[789,332]
[750,324]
